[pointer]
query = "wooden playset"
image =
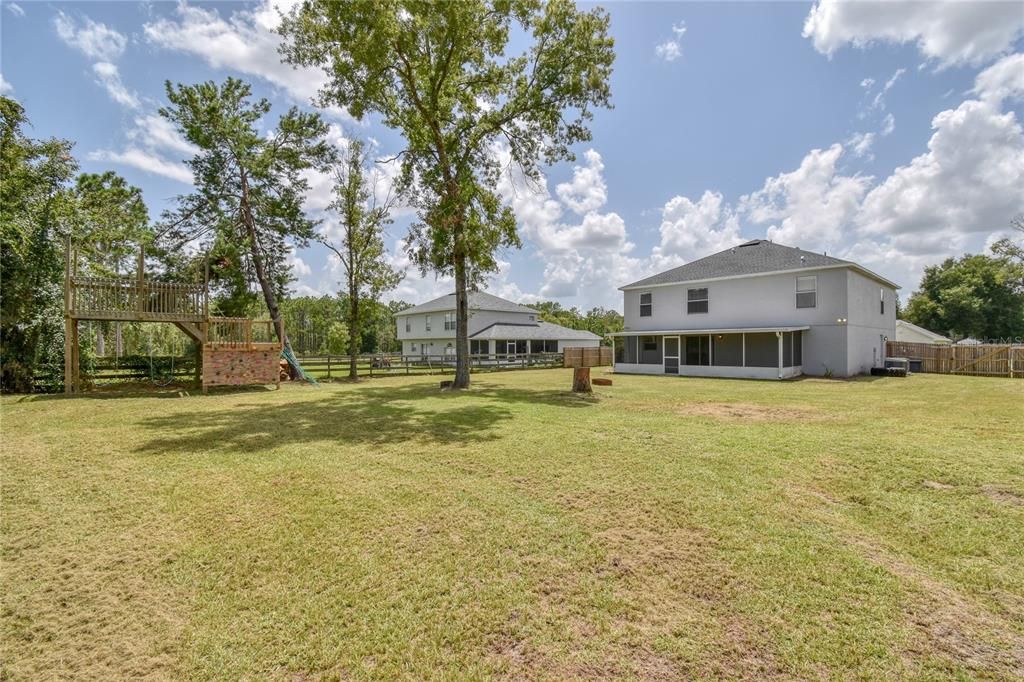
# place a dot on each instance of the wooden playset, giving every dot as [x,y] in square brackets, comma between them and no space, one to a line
[235,351]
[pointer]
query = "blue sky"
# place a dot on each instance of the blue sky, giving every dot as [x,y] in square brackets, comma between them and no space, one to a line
[889,134]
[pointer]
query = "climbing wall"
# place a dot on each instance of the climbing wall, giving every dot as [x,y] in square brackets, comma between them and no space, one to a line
[239,366]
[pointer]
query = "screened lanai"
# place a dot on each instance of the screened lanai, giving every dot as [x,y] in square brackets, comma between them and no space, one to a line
[755,353]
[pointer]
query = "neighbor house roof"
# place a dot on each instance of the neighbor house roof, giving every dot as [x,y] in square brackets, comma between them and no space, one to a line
[478,300]
[540,330]
[939,338]
[756,257]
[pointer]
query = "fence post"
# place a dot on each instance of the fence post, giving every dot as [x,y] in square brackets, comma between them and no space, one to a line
[328,365]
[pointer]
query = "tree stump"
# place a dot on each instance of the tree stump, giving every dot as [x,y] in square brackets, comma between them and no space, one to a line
[581,380]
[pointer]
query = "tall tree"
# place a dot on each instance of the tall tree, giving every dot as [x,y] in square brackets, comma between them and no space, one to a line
[360,246]
[249,185]
[443,74]
[977,295]
[34,207]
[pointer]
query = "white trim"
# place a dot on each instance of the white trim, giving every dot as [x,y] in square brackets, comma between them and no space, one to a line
[852,266]
[695,332]
[712,371]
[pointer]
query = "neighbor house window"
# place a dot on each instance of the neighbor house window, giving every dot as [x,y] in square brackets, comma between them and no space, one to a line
[449,321]
[697,300]
[428,323]
[533,318]
[807,292]
[646,305]
[408,325]
[544,346]
[478,347]
[881,301]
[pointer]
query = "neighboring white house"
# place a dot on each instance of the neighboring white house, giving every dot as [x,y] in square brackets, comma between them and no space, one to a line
[758,310]
[911,333]
[496,327]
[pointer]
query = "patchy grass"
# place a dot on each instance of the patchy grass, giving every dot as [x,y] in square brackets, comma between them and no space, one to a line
[663,529]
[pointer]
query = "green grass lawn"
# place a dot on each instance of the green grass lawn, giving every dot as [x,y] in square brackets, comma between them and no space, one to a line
[663,529]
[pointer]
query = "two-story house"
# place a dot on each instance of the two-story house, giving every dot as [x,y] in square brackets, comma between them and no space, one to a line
[757,310]
[497,327]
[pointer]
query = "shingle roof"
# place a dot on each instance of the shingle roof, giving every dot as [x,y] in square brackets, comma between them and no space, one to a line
[478,300]
[750,258]
[540,330]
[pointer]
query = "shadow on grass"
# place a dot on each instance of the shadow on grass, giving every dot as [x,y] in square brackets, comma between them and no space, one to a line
[372,415]
[121,391]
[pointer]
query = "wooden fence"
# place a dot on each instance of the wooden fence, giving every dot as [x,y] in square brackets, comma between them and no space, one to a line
[337,366]
[997,360]
[588,357]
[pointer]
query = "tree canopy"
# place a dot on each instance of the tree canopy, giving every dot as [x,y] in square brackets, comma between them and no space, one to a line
[444,75]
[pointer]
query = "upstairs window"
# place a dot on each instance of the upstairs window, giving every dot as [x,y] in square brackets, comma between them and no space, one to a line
[881,301]
[449,322]
[807,292]
[646,305]
[408,324]
[428,323]
[696,300]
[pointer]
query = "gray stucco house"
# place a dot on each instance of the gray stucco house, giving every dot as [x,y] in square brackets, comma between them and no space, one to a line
[757,310]
[496,327]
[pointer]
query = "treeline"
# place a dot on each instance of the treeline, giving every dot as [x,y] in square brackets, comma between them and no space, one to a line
[977,296]
[600,321]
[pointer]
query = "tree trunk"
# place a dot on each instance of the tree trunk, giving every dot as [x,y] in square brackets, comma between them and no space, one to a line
[461,324]
[353,333]
[581,380]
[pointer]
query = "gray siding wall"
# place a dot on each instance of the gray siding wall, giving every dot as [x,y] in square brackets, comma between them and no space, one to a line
[764,301]
[867,326]
[478,319]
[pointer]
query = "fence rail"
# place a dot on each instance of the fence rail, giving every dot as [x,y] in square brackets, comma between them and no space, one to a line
[337,366]
[241,332]
[999,360]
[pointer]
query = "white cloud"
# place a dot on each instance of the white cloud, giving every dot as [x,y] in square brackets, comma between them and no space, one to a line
[245,42]
[811,204]
[1003,80]
[15,9]
[947,31]
[297,264]
[888,125]
[5,86]
[867,83]
[860,144]
[95,40]
[672,49]
[879,101]
[108,76]
[969,180]
[694,229]
[587,191]
[144,160]
[156,132]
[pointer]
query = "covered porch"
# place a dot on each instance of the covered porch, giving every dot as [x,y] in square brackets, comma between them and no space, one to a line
[753,353]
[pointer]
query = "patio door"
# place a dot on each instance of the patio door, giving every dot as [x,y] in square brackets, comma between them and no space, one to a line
[671,354]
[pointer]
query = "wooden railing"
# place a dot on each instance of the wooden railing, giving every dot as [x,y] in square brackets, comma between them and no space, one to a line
[385,364]
[122,298]
[241,333]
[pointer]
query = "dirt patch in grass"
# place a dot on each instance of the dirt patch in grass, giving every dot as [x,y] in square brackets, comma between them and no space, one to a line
[952,625]
[937,485]
[1003,495]
[749,412]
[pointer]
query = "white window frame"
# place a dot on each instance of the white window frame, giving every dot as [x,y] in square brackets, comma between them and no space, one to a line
[449,322]
[408,324]
[706,299]
[799,291]
[650,305]
[427,322]
[881,300]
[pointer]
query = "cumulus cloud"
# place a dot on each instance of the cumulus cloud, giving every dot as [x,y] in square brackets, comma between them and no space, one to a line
[95,40]
[946,31]
[1003,80]
[692,229]
[809,206]
[860,144]
[672,49]
[587,191]
[108,76]
[888,125]
[246,42]
[144,160]
[5,86]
